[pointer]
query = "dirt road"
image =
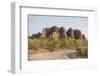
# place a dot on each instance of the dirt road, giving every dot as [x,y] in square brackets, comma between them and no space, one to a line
[63,54]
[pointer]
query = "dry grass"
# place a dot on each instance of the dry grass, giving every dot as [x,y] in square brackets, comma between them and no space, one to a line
[44,45]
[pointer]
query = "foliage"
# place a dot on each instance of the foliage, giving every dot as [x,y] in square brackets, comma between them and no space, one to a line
[33,44]
[80,45]
[54,43]
[64,42]
[82,52]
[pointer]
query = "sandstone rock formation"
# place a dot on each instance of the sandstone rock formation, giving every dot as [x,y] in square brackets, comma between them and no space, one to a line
[55,32]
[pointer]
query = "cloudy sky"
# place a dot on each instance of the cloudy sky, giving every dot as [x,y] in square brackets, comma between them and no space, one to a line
[37,23]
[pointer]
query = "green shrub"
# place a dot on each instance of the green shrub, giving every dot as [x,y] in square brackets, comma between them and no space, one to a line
[43,43]
[54,43]
[64,42]
[33,44]
[82,52]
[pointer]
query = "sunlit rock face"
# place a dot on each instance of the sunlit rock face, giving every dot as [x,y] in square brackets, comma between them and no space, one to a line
[54,32]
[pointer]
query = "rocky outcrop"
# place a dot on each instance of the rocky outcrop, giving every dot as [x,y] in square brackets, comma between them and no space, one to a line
[56,32]
[37,35]
[54,29]
[75,33]
[45,32]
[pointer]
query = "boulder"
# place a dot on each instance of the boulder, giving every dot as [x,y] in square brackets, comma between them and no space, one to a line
[83,36]
[54,29]
[62,32]
[70,33]
[37,35]
[77,34]
[54,32]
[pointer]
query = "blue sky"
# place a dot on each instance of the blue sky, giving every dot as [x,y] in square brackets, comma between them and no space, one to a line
[37,23]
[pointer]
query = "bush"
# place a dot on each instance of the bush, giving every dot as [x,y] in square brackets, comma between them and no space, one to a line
[82,52]
[64,42]
[43,43]
[33,44]
[54,43]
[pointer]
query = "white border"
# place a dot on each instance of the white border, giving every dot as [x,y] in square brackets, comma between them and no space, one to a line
[19,38]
